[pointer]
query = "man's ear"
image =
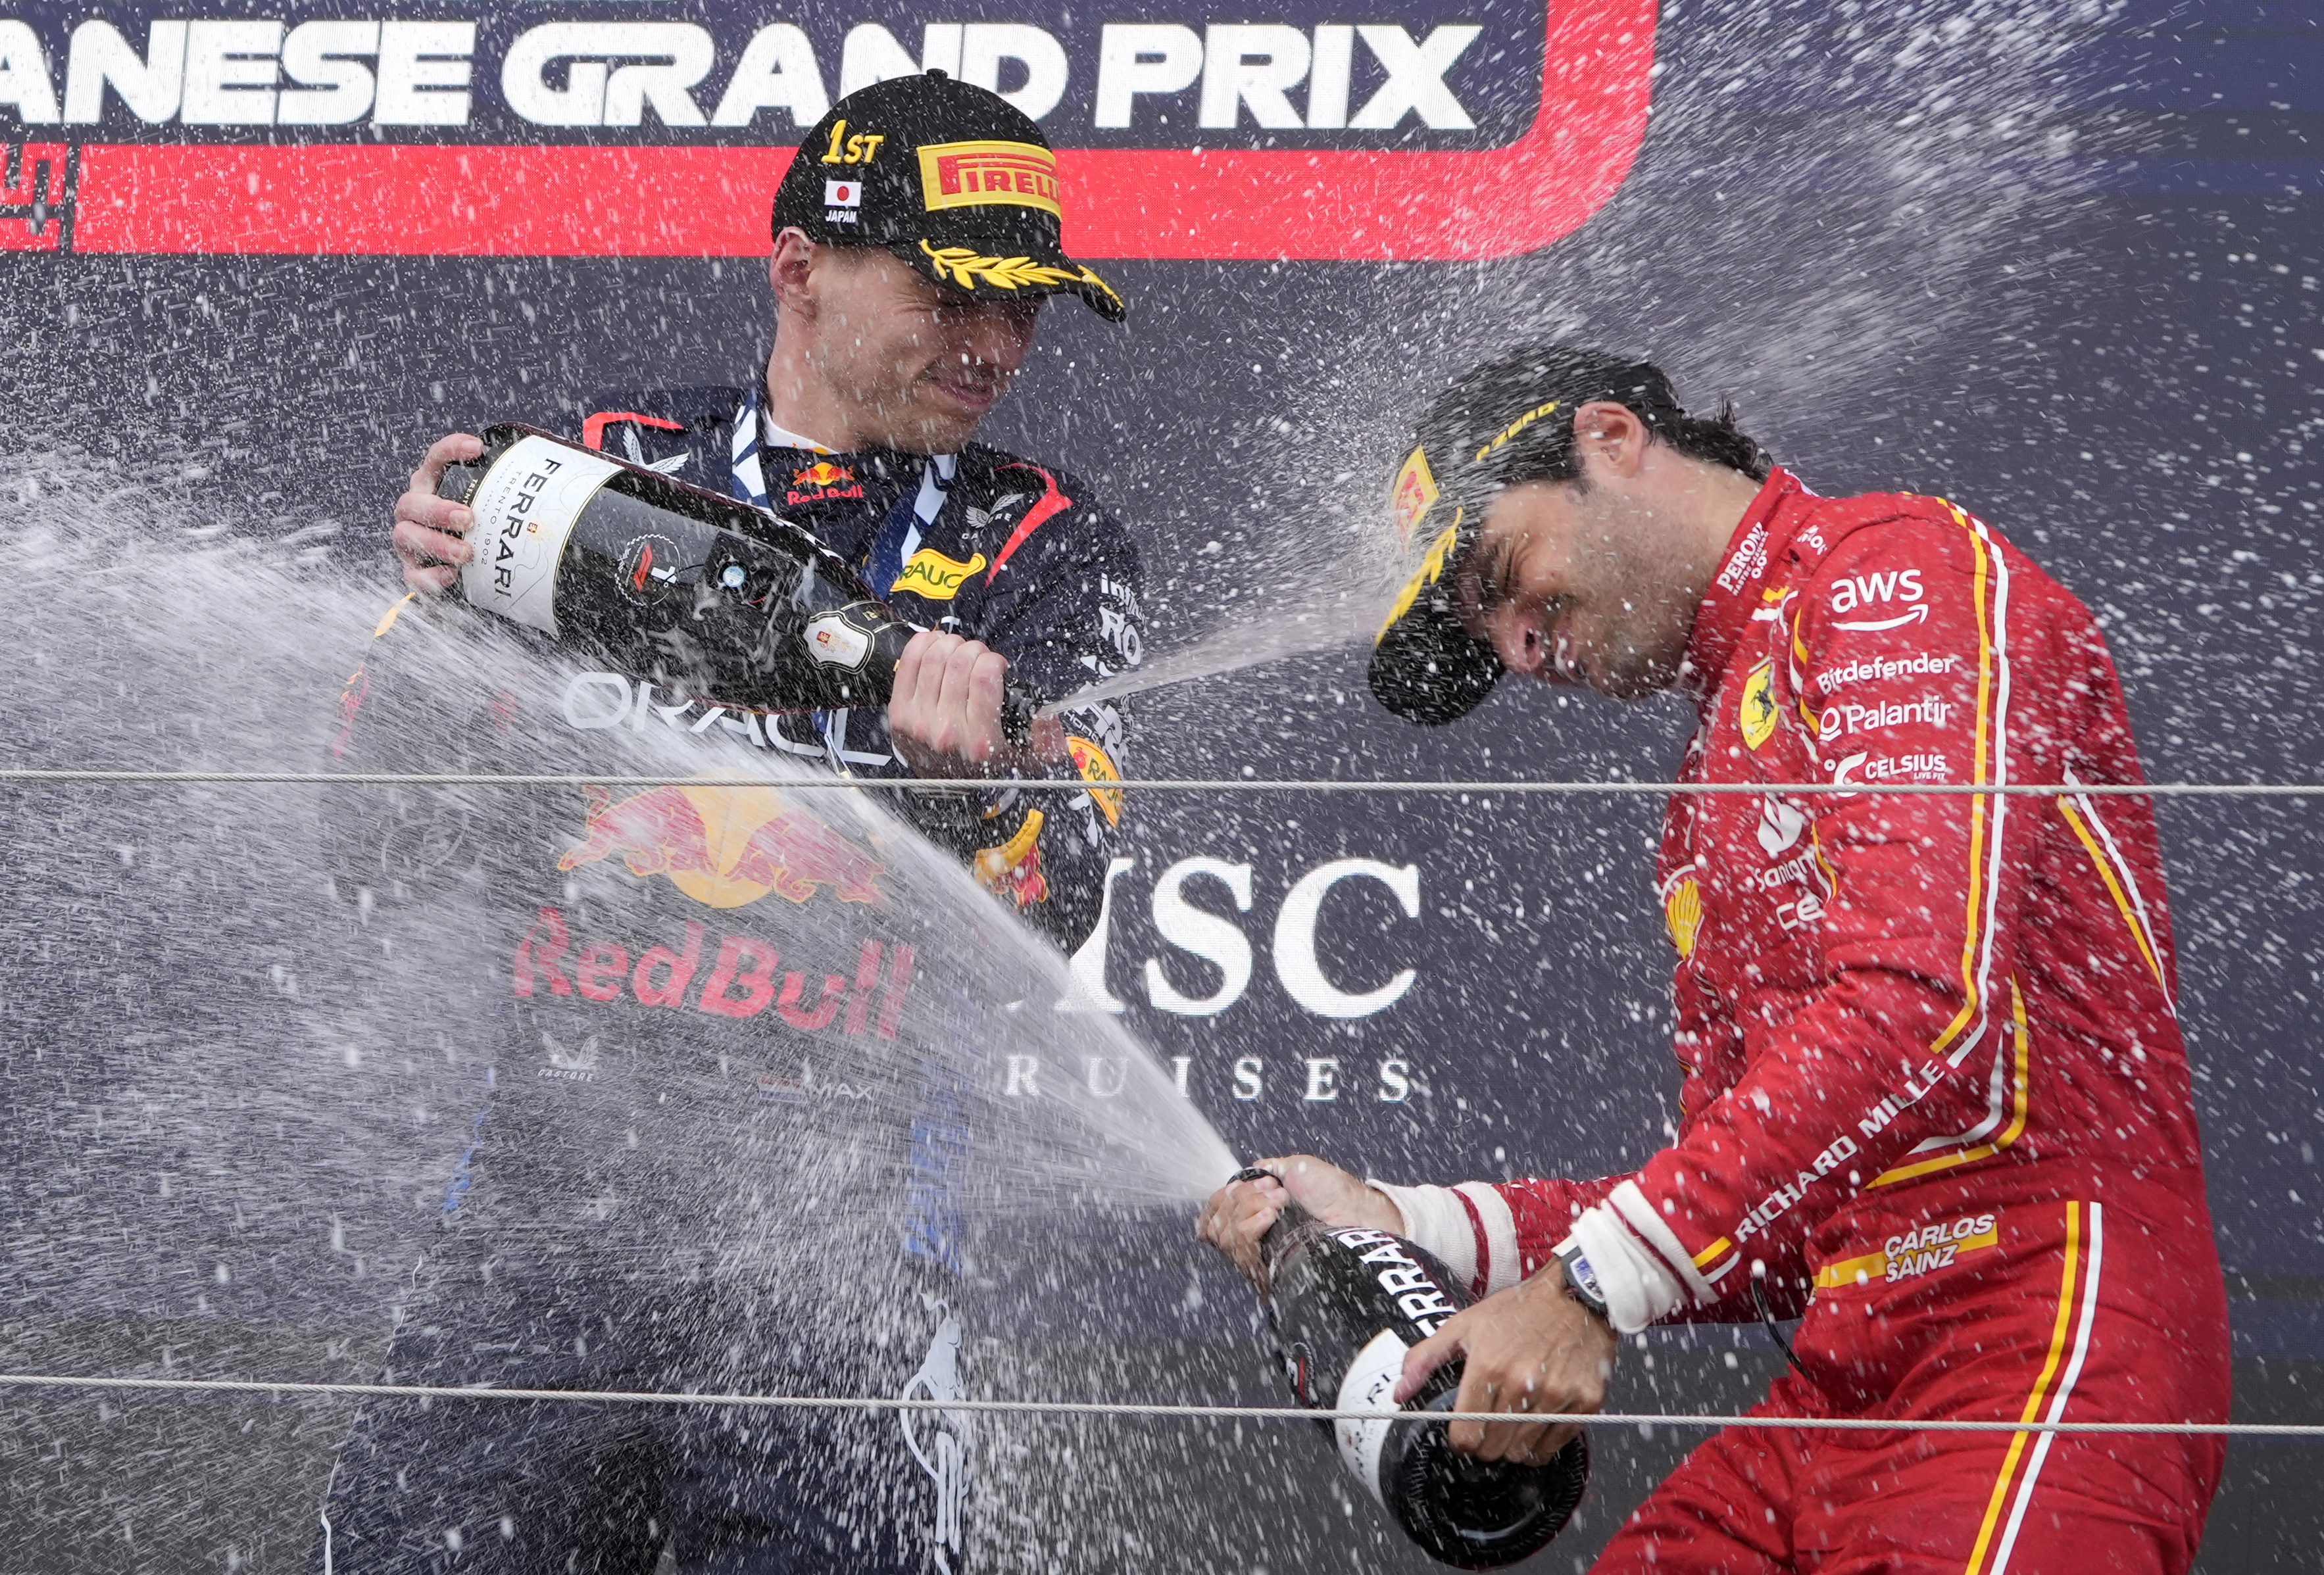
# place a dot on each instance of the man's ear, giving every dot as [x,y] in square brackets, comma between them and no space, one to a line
[787,270]
[1610,440]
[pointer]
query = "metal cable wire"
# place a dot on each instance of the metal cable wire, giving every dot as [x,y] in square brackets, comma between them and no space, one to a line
[1168,785]
[1128,1409]
[1125,1408]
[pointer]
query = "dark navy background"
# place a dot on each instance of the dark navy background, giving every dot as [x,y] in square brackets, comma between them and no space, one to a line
[2061,268]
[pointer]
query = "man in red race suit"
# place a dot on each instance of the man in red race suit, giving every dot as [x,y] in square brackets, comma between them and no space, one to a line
[1936,1102]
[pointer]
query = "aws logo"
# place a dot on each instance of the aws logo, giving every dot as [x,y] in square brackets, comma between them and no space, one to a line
[931,574]
[1880,592]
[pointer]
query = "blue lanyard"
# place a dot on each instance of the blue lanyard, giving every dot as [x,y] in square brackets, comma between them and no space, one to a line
[892,545]
[899,534]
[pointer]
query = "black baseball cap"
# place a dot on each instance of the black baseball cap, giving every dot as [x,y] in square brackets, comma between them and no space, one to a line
[952,178]
[1506,421]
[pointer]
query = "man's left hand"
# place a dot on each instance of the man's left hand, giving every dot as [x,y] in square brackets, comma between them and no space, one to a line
[944,714]
[1530,1347]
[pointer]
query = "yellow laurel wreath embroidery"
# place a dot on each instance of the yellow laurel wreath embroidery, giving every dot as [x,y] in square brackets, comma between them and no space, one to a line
[964,267]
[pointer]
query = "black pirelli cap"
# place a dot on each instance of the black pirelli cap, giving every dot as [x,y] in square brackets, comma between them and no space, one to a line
[952,178]
[1509,420]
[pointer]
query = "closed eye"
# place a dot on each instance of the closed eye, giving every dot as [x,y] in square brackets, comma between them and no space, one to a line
[1483,587]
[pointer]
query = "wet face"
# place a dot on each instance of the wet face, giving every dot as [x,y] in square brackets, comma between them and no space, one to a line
[1576,583]
[914,364]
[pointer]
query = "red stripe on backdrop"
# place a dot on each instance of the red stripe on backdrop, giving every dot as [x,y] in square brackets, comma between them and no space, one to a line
[480,200]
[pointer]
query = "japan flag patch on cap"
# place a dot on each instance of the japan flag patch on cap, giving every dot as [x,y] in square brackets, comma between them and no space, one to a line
[843,194]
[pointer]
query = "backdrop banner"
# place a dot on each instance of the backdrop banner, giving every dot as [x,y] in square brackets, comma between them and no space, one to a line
[2056,261]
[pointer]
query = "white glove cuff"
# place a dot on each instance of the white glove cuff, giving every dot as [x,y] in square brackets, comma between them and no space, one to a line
[1434,1219]
[1639,1287]
[1468,1226]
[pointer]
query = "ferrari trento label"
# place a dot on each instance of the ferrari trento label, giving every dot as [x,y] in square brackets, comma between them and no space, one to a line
[1455,131]
[1369,1385]
[525,507]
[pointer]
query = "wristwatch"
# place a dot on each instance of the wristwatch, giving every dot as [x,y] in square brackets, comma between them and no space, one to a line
[1582,1283]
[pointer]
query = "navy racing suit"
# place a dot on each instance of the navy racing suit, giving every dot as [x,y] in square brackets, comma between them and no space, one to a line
[666,1171]
[981,543]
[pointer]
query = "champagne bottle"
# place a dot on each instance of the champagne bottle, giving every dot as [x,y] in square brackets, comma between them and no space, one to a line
[667,580]
[1346,1305]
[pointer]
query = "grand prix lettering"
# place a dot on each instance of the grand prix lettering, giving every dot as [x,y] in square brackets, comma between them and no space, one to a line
[1180,136]
[402,73]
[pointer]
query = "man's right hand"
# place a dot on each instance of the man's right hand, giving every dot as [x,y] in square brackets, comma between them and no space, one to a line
[428,528]
[1239,1213]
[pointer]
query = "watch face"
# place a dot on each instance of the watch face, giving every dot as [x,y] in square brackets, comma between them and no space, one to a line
[1584,1279]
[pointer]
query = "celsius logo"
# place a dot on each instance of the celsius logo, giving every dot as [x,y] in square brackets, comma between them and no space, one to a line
[1853,593]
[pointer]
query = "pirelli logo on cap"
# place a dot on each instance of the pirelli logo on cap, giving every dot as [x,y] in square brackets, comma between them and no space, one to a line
[988,174]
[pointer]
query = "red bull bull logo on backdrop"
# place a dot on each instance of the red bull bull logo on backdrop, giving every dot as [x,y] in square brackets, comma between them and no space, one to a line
[726,847]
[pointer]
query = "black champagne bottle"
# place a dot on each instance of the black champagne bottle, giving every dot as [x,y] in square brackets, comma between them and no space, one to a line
[1346,1305]
[669,581]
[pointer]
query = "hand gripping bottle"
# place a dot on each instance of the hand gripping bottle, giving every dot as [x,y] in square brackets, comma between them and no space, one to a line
[1346,1305]
[722,601]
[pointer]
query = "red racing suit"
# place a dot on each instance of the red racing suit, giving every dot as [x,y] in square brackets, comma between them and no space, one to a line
[1936,1099]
